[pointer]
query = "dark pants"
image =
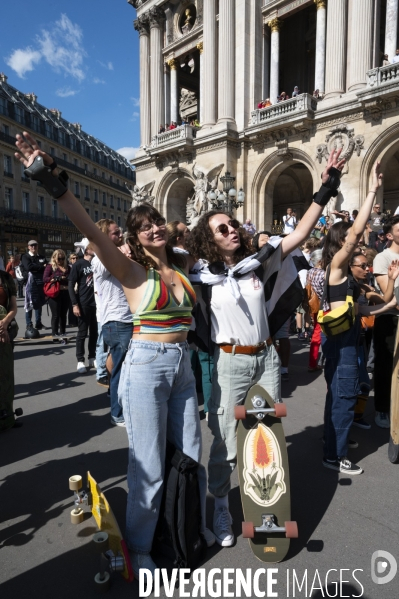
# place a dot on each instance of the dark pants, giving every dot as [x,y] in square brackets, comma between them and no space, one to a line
[38,317]
[341,372]
[20,288]
[373,236]
[59,307]
[384,346]
[86,321]
[117,336]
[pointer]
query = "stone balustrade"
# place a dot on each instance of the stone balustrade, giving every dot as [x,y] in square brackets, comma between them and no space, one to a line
[383,75]
[300,104]
[183,133]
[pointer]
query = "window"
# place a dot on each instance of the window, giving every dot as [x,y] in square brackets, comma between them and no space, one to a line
[73,143]
[111,179]
[48,128]
[88,211]
[87,193]
[65,157]
[119,221]
[40,205]
[61,137]
[104,199]
[95,215]
[55,236]
[86,168]
[104,215]
[118,203]
[52,152]
[6,129]
[94,171]
[8,198]
[112,217]
[111,201]
[25,201]
[96,196]
[54,208]
[117,181]
[77,189]
[35,122]
[19,115]
[124,206]
[8,165]
[103,175]
[3,106]
[75,161]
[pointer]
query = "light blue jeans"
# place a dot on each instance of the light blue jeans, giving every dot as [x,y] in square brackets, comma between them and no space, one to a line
[233,375]
[101,355]
[157,393]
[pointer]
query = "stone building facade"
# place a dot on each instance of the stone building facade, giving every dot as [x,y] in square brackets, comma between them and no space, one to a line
[223,57]
[98,176]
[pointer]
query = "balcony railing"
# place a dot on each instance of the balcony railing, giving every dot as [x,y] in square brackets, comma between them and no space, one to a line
[183,133]
[295,106]
[20,215]
[383,75]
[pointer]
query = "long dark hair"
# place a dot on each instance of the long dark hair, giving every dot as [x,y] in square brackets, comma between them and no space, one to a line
[135,218]
[333,242]
[201,242]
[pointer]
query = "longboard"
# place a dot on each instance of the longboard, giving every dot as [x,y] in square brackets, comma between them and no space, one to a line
[263,472]
[114,554]
[393,448]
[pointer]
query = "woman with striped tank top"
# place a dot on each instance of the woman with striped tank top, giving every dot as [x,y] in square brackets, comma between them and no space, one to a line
[157,387]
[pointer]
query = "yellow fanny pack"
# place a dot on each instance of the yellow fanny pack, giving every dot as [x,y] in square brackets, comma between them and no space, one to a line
[337,321]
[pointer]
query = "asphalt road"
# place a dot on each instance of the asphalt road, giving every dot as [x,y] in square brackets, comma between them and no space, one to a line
[66,430]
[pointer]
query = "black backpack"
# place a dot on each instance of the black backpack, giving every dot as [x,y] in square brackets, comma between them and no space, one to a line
[178,535]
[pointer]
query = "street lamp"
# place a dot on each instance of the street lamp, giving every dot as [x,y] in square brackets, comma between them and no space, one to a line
[228,199]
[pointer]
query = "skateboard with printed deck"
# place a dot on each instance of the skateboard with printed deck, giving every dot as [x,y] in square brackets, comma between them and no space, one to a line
[114,554]
[263,473]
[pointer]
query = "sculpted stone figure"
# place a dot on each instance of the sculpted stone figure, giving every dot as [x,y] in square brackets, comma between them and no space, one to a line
[204,182]
[141,195]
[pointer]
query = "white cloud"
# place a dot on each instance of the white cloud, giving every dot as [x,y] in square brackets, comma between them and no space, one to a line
[136,101]
[65,92]
[96,80]
[22,61]
[61,46]
[128,153]
[107,65]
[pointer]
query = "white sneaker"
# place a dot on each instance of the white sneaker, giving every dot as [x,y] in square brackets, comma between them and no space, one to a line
[222,521]
[382,420]
[81,368]
[92,363]
[209,537]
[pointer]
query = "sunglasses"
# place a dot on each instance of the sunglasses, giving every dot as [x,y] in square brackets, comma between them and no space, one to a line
[33,245]
[147,227]
[362,265]
[224,230]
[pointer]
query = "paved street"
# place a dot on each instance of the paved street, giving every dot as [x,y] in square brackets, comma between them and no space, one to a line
[66,430]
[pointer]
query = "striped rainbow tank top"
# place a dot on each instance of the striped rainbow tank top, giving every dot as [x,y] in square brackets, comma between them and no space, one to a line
[158,311]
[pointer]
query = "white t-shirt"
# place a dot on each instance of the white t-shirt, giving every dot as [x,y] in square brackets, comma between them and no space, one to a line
[114,306]
[380,267]
[289,224]
[245,322]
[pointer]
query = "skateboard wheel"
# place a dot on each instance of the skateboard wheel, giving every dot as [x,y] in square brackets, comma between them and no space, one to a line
[18,412]
[100,539]
[75,482]
[240,412]
[291,530]
[77,516]
[102,581]
[280,409]
[248,530]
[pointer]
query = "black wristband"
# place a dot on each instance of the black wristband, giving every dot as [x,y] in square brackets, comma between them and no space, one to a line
[329,189]
[52,166]
[38,171]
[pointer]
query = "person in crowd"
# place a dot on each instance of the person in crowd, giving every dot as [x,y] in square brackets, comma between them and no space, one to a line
[58,270]
[156,377]
[381,243]
[354,215]
[84,307]
[316,94]
[385,60]
[178,234]
[72,319]
[396,57]
[115,326]
[167,127]
[19,279]
[341,350]
[385,327]
[296,91]
[244,353]
[161,129]
[341,216]
[10,267]
[283,96]
[33,263]
[315,278]
[289,221]
[249,227]
[8,312]
[376,221]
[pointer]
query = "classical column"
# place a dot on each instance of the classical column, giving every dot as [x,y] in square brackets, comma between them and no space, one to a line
[166,83]
[200,115]
[210,63]
[156,17]
[266,63]
[361,47]
[321,7]
[174,90]
[336,48]
[391,29]
[226,73]
[275,26]
[141,25]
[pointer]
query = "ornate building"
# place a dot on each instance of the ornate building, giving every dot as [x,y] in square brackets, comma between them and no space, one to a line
[98,176]
[216,60]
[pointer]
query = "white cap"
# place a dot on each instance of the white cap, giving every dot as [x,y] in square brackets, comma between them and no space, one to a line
[82,244]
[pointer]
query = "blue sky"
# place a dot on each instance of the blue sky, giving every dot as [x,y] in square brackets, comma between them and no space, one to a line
[80,56]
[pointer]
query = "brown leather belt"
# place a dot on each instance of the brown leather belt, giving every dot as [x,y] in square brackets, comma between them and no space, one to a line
[249,350]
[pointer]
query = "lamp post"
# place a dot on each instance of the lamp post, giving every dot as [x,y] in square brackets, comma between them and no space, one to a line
[228,199]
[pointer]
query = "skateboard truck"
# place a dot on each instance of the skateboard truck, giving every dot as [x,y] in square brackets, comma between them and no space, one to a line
[259,411]
[269,527]
[109,562]
[4,414]
[80,497]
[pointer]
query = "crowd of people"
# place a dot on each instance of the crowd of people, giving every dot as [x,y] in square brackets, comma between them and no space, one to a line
[168,297]
[284,96]
[173,125]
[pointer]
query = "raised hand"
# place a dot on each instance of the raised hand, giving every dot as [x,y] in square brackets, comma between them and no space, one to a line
[29,149]
[377,178]
[333,161]
[393,270]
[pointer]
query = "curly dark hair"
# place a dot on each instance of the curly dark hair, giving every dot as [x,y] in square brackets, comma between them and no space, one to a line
[201,242]
[135,219]
[333,242]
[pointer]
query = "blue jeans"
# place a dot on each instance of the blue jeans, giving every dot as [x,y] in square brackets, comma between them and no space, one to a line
[101,355]
[157,392]
[28,316]
[117,336]
[341,372]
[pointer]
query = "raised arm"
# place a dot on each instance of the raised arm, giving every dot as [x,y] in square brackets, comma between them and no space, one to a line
[118,265]
[313,213]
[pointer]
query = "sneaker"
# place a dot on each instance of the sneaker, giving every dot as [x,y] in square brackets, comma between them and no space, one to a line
[103,381]
[222,521]
[362,423]
[118,423]
[81,368]
[92,363]
[382,420]
[39,326]
[302,336]
[141,560]
[209,537]
[343,465]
